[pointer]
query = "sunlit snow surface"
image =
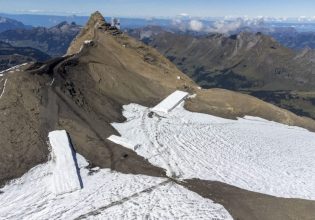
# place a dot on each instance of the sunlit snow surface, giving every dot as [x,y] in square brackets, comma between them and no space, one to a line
[105,195]
[250,153]
[65,177]
[170,102]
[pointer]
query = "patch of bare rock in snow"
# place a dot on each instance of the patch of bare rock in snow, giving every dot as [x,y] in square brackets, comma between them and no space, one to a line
[250,153]
[104,194]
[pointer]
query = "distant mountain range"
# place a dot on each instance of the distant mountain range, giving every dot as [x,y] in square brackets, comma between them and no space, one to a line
[293,33]
[251,63]
[294,39]
[53,41]
[52,20]
[11,24]
[11,56]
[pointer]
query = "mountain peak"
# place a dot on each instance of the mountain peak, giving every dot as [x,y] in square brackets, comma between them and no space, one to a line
[61,24]
[96,18]
[95,21]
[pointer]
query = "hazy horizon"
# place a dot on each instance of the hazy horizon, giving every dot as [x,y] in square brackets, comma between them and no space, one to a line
[163,8]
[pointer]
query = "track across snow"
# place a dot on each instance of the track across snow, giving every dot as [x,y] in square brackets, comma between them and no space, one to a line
[65,175]
[250,153]
[106,195]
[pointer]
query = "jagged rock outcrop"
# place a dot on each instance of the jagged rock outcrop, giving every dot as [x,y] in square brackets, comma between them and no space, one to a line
[88,32]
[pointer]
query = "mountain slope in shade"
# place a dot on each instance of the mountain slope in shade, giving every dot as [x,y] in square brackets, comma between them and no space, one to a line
[11,56]
[83,93]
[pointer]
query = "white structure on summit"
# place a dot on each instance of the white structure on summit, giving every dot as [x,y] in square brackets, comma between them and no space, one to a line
[115,23]
[170,102]
[65,174]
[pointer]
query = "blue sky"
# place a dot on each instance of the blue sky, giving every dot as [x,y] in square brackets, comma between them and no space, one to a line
[164,8]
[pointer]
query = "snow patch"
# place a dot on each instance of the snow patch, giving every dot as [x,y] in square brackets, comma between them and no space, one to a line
[3,89]
[88,41]
[192,96]
[66,177]
[250,153]
[52,82]
[123,142]
[170,102]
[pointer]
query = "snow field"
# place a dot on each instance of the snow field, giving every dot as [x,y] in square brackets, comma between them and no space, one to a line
[250,153]
[106,195]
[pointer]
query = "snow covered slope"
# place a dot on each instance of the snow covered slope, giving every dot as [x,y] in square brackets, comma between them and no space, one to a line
[170,102]
[65,176]
[250,153]
[106,195]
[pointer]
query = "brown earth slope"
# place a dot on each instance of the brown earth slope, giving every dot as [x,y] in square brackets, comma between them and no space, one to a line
[84,92]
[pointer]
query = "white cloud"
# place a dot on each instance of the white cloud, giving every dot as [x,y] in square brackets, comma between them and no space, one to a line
[195,25]
[227,26]
[184,14]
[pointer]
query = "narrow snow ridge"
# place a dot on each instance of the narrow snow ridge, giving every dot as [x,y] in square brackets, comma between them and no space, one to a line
[123,142]
[3,89]
[66,177]
[12,68]
[170,102]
